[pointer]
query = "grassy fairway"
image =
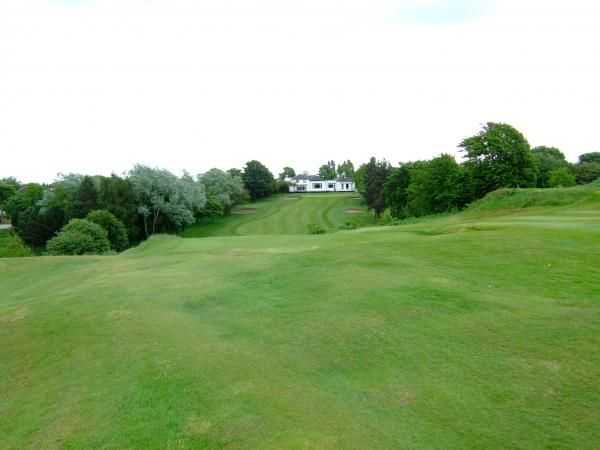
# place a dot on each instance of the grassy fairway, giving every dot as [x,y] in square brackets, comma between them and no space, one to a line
[287,214]
[476,331]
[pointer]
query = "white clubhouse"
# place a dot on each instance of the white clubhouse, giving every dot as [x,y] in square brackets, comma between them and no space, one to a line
[314,183]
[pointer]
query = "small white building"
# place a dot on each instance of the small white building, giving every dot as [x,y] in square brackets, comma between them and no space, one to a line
[314,183]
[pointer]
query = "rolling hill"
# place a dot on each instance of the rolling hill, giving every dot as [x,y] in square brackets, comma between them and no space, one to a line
[475,330]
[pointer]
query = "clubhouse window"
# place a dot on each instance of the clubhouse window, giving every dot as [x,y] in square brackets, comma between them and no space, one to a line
[317,186]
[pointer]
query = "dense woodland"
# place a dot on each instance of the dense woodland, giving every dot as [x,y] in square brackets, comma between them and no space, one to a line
[497,157]
[80,214]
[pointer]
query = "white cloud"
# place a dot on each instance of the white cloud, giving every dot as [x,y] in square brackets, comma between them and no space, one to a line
[96,86]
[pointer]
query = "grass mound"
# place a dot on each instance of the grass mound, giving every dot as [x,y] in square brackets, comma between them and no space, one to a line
[11,246]
[481,336]
[530,198]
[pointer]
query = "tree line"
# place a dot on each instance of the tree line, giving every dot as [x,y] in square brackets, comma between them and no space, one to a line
[499,156]
[79,214]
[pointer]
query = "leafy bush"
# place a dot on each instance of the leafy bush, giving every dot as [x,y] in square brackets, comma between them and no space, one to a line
[313,228]
[11,246]
[561,177]
[79,237]
[348,226]
[117,235]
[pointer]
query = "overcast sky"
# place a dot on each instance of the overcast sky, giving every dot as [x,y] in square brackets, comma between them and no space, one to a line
[96,86]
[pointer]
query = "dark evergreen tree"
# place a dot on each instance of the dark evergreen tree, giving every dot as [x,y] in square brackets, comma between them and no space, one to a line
[258,180]
[376,174]
[86,198]
[396,191]
[117,196]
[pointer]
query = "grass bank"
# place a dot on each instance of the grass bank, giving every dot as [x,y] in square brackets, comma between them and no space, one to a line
[466,331]
[11,246]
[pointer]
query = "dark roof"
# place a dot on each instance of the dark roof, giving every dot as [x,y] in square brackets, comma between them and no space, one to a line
[308,177]
[318,178]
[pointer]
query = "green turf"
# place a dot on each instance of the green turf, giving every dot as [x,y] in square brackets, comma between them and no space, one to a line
[474,331]
[287,214]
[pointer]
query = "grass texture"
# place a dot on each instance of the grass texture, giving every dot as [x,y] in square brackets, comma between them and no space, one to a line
[477,330]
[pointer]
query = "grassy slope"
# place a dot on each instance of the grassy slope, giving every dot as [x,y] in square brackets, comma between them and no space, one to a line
[286,214]
[11,246]
[470,331]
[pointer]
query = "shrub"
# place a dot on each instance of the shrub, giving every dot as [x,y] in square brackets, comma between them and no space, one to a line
[117,235]
[561,177]
[79,237]
[348,226]
[313,228]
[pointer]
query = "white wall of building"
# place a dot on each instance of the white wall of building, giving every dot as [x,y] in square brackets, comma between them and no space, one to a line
[321,186]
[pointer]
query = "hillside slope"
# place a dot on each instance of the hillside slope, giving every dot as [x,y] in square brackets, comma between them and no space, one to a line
[472,331]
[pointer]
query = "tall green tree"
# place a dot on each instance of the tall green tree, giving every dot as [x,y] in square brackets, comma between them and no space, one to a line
[547,160]
[359,180]
[6,192]
[287,172]
[165,201]
[223,191]
[345,169]
[435,186]
[376,174]
[395,190]
[117,196]
[8,188]
[499,156]
[34,223]
[86,198]
[328,171]
[235,172]
[258,180]
[593,157]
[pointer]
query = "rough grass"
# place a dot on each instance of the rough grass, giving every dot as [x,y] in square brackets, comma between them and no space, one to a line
[476,332]
[11,246]
[287,214]
[530,198]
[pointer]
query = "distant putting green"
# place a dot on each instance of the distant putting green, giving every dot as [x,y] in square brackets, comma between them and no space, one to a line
[472,331]
[288,214]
